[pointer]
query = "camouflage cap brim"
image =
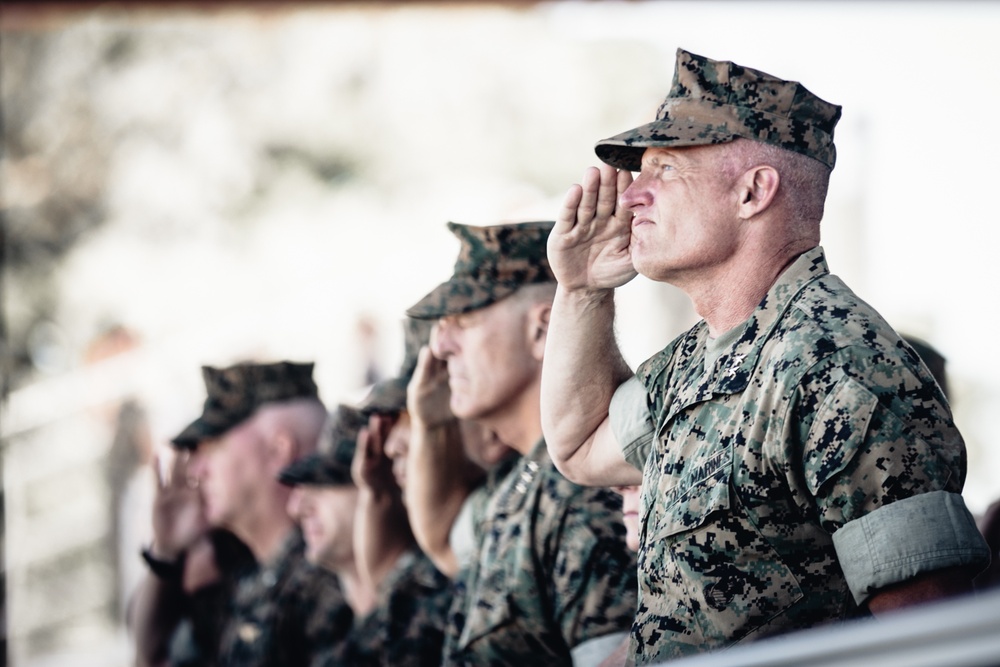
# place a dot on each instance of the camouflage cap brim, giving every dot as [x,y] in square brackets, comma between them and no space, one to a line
[458,295]
[624,151]
[197,432]
[316,470]
[386,397]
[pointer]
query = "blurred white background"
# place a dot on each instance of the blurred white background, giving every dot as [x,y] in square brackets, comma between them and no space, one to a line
[273,182]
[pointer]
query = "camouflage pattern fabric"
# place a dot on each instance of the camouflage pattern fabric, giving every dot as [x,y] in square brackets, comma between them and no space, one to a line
[406,629]
[285,614]
[552,571]
[330,464]
[493,263]
[235,393]
[388,396]
[713,102]
[817,415]
[195,642]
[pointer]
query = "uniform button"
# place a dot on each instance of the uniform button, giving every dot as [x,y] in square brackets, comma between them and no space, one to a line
[248,632]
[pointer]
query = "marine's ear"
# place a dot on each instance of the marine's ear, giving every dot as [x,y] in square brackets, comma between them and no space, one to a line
[757,188]
[538,328]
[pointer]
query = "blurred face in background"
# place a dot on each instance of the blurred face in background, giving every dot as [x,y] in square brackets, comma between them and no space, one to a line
[630,514]
[229,471]
[397,447]
[326,516]
[492,356]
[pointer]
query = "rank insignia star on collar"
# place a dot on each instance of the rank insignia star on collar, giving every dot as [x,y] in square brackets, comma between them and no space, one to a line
[735,367]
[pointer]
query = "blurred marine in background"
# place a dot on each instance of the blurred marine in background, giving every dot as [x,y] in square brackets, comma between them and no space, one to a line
[551,581]
[257,420]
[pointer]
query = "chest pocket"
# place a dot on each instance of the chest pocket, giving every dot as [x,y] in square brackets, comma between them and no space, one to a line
[702,492]
[710,574]
[497,628]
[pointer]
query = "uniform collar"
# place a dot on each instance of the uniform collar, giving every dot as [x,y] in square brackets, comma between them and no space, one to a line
[733,368]
[512,493]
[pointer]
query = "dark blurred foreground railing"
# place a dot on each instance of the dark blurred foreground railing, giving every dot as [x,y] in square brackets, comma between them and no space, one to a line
[963,632]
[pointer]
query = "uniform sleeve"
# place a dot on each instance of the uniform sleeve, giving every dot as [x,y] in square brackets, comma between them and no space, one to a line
[462,536]
[594,576]
[884,464]
[631,421]
[899,541]
[320,617]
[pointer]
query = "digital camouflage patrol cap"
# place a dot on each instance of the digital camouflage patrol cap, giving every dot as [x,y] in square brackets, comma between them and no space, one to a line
[713,102]
[388,396]
[330,464]
[493,263]
[235,393]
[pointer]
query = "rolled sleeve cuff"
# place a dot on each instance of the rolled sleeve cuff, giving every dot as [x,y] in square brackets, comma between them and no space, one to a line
[931,531]
[592,652]
[631,422]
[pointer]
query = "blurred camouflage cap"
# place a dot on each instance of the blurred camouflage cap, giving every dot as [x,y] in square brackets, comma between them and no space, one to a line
[493,263]
[713,102]
[330,464]
[389,395]
[235,393]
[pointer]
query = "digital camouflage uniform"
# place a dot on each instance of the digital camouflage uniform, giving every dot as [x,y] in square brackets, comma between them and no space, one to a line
[552,572]
[815,461]
[406,628]
[195,640]
[799,462]
[281,613]
[466,540]
[285,613]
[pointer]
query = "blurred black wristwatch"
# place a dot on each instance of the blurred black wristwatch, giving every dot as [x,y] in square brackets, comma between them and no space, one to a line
[168,570]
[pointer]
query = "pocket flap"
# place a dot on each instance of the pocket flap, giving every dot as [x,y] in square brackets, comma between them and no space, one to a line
[703,490]
[838,431]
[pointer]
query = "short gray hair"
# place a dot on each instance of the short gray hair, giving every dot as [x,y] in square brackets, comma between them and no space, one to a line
[804,181]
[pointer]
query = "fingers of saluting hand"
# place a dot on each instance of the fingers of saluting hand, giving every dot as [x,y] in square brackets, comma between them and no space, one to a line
[566,220]
[373,449]
[590,195]
[580,206]
[161,475]
[588,206]
[170,470]
[607,191]
[358,464]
